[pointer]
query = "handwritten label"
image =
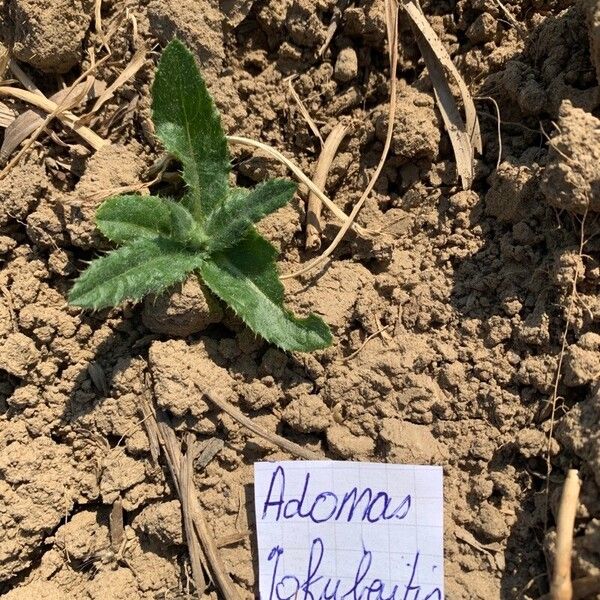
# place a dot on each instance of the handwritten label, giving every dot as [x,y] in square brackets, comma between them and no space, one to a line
[331,530]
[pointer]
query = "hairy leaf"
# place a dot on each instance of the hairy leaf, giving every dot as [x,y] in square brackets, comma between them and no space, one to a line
[230,221]
[183,227]
[245,277]
[142,267]
[211,230]
[189,125]
[126,218]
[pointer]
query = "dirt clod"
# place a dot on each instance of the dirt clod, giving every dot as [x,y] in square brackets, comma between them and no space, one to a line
[18,354]
[582,361]
[182,311]
[346,65]
[49,36]
[571,180]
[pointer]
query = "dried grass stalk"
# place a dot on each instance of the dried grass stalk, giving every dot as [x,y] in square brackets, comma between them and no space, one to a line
[242,419]
[391,14]
[202,547]
[561,587]
[314,205]
[66,117]
[297,171]
[464,135]
[135,64]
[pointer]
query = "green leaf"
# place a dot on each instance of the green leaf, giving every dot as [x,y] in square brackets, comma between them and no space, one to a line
[230,221]
[182,223]
[189,126]
[143,267]
[245,277]
[126,218]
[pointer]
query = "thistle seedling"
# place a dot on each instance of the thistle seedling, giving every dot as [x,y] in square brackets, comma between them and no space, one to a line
[210,231]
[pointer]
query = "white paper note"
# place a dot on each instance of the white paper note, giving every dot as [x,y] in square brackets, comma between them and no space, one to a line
[349,530]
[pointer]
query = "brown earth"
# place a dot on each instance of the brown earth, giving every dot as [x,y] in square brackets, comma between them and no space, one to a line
[470,292]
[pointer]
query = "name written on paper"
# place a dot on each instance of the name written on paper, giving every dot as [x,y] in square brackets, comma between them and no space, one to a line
[302,569]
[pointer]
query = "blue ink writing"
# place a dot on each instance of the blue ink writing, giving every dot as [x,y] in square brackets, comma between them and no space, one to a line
[356,504]
[313,584]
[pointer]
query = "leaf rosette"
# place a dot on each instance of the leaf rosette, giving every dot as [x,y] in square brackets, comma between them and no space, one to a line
[210,231]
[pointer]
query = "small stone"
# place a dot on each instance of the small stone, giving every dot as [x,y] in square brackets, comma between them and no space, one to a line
[346,65]
[18,354]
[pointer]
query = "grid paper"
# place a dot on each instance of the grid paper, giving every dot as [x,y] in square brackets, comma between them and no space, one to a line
[349,530]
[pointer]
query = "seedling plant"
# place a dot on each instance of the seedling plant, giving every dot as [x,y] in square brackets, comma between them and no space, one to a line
[210,231]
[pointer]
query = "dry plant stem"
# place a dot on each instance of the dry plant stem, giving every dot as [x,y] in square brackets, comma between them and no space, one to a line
[338,13]
[304,111]
[135,64]
[391,8]
[66,117]
[242,419]
[186,492]
[520,29]
[4,60]
[233,538]
[163,435]
[313,213]
[341,216]
[563,348]
[441,54]
[499,125]
[61,107]
[436,58]
[117,530]
[23,78]
[7,115]
[367,340]
[561,587]
[175,460]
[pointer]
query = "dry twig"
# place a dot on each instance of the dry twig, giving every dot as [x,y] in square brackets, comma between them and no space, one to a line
[561,587]
[241,418]
[339,213]
[303,110]
[313,211]
[135,64]
[202,547]
[522,31]
[338,12]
